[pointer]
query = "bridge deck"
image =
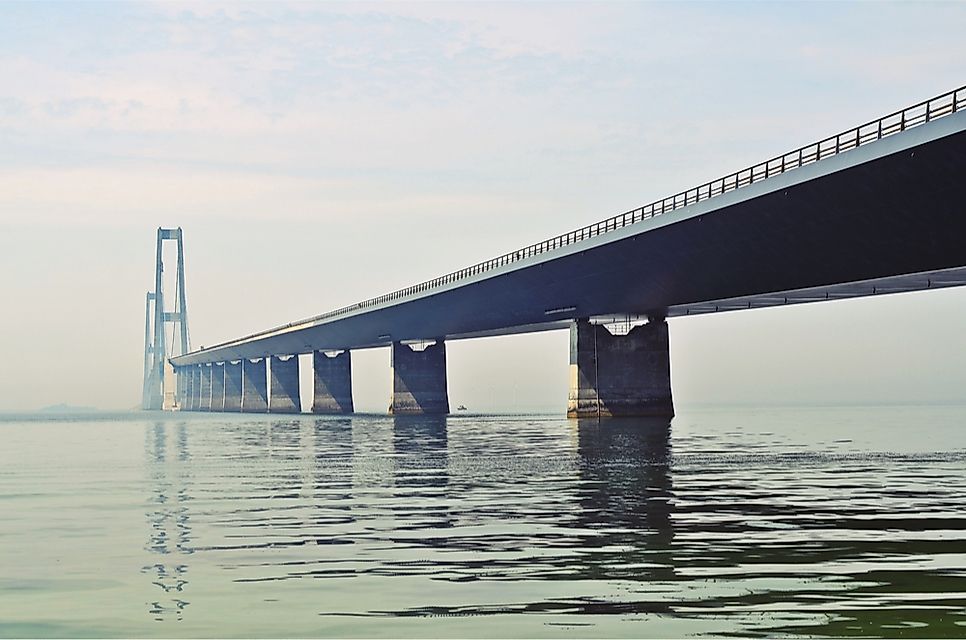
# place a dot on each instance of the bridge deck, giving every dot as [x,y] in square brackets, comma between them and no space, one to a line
[876,209]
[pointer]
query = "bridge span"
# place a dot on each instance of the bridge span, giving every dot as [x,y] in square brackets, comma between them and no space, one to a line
[877,209]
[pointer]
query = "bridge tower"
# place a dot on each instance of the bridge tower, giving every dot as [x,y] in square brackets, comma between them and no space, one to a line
[159,380]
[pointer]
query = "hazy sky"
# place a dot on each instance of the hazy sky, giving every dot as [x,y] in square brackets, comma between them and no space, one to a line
[320,154]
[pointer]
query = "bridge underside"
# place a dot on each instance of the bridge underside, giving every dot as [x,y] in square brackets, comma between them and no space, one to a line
[940,279]
[893,223]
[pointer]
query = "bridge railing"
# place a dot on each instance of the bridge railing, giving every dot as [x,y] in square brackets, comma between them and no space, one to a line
[867,133]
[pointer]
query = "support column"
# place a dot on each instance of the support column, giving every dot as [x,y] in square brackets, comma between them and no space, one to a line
[626,375]
[194,384]
[181,387]
[204,402]
[233,386]
[419,380]
[218,386]
[285,386]
[333,382]
[184,375]
[254,386]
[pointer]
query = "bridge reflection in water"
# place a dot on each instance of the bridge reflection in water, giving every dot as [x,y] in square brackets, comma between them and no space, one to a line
[581,522]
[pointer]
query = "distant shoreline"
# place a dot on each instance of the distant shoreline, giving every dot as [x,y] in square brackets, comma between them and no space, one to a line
[66,408]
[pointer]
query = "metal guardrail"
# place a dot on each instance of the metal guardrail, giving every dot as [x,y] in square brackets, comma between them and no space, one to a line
[918,114]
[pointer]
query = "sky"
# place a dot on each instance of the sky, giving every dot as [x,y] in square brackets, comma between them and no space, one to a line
[318,154]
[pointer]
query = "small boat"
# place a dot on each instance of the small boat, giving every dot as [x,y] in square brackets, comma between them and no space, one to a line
[461,408]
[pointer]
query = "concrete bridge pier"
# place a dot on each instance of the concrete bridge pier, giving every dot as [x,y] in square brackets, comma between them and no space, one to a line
[333,382]
[613,375]
[193,373]
[254,386]
[233,386]
[218,386]
[419,380]
[285,385]
[204,402]
[182,386]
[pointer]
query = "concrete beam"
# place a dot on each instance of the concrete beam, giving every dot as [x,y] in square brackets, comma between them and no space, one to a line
[285,386]
[626,375]
[332,382]
[254,386]
[218,386]
[233,386]
[419,380]
[204,401]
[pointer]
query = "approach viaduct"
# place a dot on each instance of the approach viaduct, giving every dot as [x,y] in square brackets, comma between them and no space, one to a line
[878,209]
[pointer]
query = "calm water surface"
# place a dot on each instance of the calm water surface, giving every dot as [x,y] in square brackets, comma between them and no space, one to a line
[844,521]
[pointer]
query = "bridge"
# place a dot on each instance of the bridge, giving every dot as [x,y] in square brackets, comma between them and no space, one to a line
[877,209]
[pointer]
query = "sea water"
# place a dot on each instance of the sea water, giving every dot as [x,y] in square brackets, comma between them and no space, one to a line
[750,521]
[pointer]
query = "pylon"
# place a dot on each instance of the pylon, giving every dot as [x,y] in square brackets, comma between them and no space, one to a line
[159,386]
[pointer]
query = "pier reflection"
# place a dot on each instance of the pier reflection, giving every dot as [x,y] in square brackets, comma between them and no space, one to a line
[421,448]
[626,498]
[331,449]
[327,479]
[421,474]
